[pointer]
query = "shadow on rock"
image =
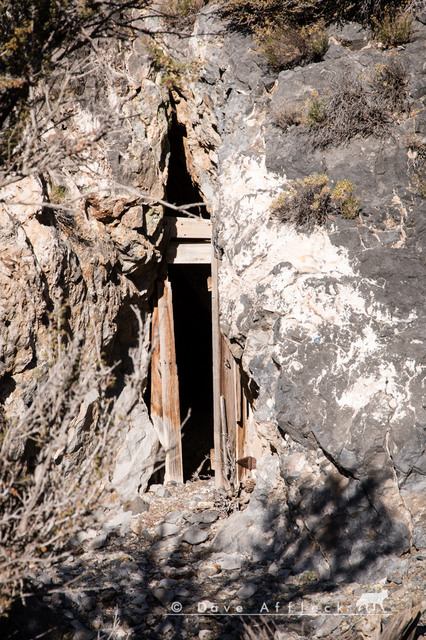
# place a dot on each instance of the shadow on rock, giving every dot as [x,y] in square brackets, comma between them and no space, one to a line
[290,543]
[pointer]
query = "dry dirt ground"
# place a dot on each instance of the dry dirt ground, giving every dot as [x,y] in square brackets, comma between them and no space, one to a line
[156,576]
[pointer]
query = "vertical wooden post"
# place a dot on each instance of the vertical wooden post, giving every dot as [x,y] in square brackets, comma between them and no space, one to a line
[169,386]
[241,424]
[227,390]
[242,435]
[224,424]
[219,476]
[156,383]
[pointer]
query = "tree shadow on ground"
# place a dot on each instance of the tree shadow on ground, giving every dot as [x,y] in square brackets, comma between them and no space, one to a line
[166,588]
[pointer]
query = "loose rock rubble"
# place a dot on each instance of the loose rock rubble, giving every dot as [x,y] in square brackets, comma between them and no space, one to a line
[148,571]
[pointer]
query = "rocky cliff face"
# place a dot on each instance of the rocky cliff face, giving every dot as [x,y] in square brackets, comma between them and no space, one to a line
[91,260]
[327,322]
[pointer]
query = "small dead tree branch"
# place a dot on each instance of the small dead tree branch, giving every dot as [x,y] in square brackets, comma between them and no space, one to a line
[53,471]
[44,55]
[115,188]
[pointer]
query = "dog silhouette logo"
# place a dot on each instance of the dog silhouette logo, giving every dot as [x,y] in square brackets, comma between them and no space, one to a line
[369,601]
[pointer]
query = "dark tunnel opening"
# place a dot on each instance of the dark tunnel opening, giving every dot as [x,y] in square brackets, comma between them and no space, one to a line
[181,189]
[193,340]
[192,315]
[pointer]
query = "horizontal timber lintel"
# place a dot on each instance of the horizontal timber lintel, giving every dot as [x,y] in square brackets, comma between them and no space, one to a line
[188,228]
[189,253]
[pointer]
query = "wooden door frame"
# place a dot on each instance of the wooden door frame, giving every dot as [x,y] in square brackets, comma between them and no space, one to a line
[189,242]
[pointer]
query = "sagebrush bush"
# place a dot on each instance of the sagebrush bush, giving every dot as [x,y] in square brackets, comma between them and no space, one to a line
[394,27]
[309,201]
[317,39]
[282,46]
[319,45]
[285,116]
[285,45]
[181,13]
[349,111]
[391,86]
[343,194]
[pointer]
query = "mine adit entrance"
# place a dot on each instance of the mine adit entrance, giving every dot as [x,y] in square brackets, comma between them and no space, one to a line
[193,342]
[192,367]
[182,358]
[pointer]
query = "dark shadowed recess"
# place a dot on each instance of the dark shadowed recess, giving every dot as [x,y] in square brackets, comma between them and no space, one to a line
[181,189]
[193,335]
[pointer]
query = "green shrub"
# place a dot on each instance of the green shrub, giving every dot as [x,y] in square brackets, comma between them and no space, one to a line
[315,114]
[393,28]
[319,45]
[309,201]
[317,39]
[57,193]
[343,194]
[308,576]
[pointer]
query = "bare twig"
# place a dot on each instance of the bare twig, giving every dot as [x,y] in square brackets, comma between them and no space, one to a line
[143,195]
[44,492]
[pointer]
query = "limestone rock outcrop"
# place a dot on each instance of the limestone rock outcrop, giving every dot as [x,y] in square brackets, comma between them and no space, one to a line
[328,322]
[79,250]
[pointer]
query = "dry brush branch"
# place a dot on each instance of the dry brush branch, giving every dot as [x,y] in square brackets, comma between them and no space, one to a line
[54,467]
[114,188]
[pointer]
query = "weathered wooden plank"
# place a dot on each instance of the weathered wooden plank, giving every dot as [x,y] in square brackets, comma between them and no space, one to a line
[224,425]
[237,392]
[228,392]
[156,384]
[188,228]
[169,386]
[242,435]
[219,476]
[188,252]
